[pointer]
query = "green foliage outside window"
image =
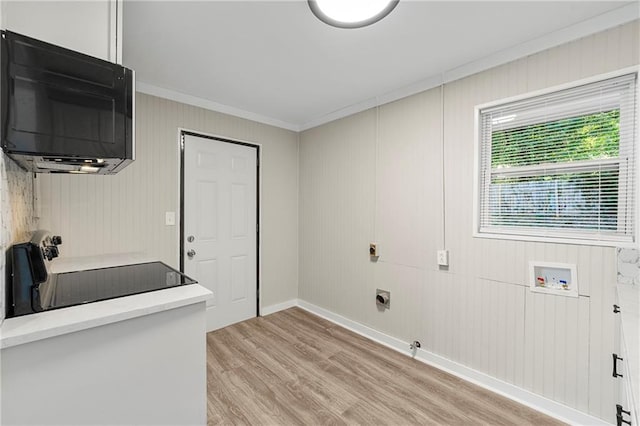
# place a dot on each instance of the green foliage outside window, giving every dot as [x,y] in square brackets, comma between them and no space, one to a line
[569,200]
[587,137]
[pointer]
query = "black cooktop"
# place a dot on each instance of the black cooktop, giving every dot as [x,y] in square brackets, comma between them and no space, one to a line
[32,288]
[75,288]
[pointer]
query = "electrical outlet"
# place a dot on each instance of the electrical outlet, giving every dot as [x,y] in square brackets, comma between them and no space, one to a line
[443,257]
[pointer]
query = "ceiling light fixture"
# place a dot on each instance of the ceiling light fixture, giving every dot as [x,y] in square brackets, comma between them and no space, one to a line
[351,13]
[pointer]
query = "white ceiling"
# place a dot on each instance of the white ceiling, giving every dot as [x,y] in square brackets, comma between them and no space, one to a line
[276,63]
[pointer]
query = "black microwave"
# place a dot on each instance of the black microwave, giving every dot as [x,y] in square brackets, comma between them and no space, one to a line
[63,111]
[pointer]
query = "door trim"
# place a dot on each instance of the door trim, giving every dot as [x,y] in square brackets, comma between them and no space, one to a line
[181,137]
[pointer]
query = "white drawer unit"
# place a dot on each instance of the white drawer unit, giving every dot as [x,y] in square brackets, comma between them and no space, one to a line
[626,358]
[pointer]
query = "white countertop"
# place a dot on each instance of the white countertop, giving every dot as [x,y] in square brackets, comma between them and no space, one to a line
[29,328]
[82,263]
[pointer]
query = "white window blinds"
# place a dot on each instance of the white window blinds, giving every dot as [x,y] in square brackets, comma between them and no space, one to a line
[561,165]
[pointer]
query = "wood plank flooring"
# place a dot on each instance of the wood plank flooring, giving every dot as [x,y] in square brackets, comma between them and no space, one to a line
[293,368]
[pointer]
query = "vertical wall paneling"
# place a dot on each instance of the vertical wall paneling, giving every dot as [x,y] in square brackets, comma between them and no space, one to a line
[125,212]
[584,375]
[560,336]
[596,325]
[569,371]
[336,193]
[479,311]
[519,309]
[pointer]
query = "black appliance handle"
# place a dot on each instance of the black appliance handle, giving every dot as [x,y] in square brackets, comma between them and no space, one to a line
[616,358]
[619,413]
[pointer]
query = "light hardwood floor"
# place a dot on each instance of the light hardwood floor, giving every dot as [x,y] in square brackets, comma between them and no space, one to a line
[293,368]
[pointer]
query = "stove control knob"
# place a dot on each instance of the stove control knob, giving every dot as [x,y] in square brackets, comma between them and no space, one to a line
[51,252]
[56,240]
[47,253]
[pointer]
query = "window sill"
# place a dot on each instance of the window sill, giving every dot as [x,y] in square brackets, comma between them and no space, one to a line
[556,240]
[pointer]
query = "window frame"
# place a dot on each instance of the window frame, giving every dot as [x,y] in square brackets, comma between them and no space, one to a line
[556,236]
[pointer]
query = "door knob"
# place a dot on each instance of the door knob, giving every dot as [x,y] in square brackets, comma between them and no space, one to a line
[191,253]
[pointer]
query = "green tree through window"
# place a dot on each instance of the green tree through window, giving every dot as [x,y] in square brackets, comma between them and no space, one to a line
[557,200]
[588,137]
[559,165]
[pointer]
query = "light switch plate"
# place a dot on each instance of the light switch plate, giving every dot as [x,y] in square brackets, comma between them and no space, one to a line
[443,257]
[170,218]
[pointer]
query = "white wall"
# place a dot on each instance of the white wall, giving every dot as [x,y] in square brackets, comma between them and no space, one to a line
[126,212]
[378,176]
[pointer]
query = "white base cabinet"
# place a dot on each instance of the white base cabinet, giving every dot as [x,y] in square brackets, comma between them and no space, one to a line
[626,359]
[147,370]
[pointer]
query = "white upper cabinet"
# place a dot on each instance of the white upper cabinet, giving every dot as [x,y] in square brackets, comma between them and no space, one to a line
[91,27]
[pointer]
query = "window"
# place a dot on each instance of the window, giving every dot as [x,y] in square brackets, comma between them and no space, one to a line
[560,166]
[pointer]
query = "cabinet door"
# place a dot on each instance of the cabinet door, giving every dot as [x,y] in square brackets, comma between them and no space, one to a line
[90,27]
[625,396]
[617,349]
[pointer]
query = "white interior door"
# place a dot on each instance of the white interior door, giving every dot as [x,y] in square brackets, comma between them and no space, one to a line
[220,226]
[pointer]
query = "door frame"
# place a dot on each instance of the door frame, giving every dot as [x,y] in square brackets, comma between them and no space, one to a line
[182,132]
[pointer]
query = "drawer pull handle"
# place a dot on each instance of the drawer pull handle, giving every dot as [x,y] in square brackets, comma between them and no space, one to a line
[616,358]
[619,413]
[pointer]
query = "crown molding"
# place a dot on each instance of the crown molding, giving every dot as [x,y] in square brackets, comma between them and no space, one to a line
[613,18]
[173,95]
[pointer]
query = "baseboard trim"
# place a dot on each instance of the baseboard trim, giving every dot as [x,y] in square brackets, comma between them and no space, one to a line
[271,309]
[544,405]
